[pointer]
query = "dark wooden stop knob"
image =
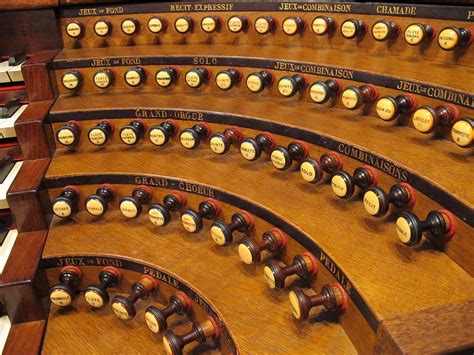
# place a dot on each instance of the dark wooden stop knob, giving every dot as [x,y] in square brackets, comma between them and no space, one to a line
[131,206]
[282,158]
[377,201]
[438,224]
[66,204]
[132,133]
[124,307]
[252,148]
[222,233]
[157,319]
[100,134]
[312,170]
[97,204]
[174,344]
[273,241]
[192,220]
[354,97]
[220,142]
[425,118]
[160,134]
[305,266]
[69,134]
[190,138]
[96,295]
[63,294]
[343,184]
[159,214]
[389,108]
[333,298]
[322,91]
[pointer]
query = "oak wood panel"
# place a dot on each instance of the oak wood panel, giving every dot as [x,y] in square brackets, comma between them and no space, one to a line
[395,50]
[35,71]
[24,196]
[26,32]
[418,268]
[25,337]
[244,305]
[449,75]
[30,131]
[454,331]
[26,4]
[412,148]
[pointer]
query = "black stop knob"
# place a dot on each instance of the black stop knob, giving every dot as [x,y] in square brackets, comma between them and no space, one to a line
[354,97]
[69,134]
[282,158]
[96,295]
[322,91]
[190,138]
[159,214]
[388,108]
[131,206]
[133,132]
[343,184]
[63,294]
[124,307]
[97,203]
[288,86]
[65,205]
[251,148]
[377,202]
[192,220]
[221,233]
[438,223]
[101,133]
[160,134]
[220,142]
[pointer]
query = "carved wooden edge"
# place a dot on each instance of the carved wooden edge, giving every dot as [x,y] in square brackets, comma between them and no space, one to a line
[24,196]
[26,4]
[31,132]
[25,338]
[445,329]
[39,85]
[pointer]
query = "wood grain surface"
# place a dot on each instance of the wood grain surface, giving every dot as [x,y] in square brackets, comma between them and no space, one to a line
[29,335]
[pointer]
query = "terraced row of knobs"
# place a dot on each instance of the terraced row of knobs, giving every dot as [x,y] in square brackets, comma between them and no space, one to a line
[409,228]
[333,298]
[388,108]
[220,143]
[415,34]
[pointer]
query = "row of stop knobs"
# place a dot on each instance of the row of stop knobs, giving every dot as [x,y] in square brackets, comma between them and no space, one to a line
[331,297]
[425,119]
[376,201]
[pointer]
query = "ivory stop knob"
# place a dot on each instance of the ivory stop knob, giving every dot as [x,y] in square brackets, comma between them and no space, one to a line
[159,214]
[377,202]
[69,134]
[252,148]
[100,134]
[65,205]
[63,294]
[438,224]
[124,307]
[96,295]
[157,25]
[220,142]
[97,204]
[388,108]
[160,134]
[184,24]
[132,133]
[131,206]
[192,220]
[305,266]
[451,38]
[273,241]
[343,184]
[462,132]
[222,234]
[333,298]
[264,25]
[72,80]
[130,26]
[156,319]
[190,138]
[418,33]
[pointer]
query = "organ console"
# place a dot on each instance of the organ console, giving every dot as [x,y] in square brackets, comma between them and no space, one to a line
[90,90]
